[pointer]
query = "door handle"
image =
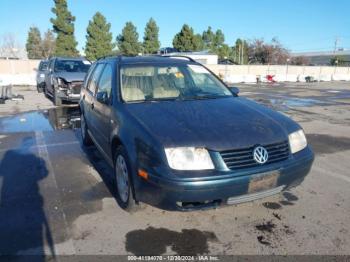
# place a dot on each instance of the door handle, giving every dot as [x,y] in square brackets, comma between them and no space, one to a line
[92,105]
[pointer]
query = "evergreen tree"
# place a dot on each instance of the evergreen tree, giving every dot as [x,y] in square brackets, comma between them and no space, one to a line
[224,51]
[219,39]
[240,51]
[63,26]
[208,37]
[48,44]
[128,41]
[186,40]
[98,38]
[151,42]
[33,45]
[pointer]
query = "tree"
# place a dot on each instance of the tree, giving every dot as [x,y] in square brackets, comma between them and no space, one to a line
[339,61]
[208,38]
[63,26]
[215,42]
[128,41]
[98,38]
[267,53]
[224,51]
[9,46]
[300,60]
[240,52]
[151,42]
[48,44]
[33,45]
[186,40]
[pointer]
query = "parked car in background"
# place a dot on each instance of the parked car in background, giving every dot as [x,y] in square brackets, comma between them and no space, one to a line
[180,139]
[40,75]
[64,78]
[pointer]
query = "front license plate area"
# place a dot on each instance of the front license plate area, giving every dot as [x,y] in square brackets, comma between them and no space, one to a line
[263,182]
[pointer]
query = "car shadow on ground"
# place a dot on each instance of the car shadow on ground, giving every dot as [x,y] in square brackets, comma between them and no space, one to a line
[98,162]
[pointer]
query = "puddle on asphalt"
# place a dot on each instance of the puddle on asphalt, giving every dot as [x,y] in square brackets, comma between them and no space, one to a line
[326,144]
[45,120]
[155,241]
[285,104]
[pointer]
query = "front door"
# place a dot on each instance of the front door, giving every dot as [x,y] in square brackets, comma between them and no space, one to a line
[89,98]
[102,109]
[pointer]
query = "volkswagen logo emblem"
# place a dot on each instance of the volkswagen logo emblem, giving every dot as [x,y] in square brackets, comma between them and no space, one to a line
[260,155]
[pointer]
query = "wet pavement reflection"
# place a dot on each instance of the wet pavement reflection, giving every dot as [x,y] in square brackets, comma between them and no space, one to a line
[45,120]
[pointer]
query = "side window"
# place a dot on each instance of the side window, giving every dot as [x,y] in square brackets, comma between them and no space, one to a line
[88,76]
[105,83]
[94,78]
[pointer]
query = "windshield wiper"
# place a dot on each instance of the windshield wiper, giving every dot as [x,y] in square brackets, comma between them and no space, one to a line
[203,97]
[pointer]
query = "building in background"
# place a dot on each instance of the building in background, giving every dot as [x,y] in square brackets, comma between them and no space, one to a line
[340,57]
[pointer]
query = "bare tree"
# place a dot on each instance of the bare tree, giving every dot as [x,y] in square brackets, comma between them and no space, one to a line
[267,53]
[9,46]
[48,44]
[300,60]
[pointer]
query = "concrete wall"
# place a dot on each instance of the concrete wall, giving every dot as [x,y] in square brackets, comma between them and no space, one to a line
[282,73]
[18,72]
[22,72]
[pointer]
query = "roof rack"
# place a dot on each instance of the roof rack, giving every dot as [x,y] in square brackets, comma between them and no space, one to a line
[181,56]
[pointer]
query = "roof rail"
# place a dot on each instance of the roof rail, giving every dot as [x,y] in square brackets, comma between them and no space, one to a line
[181,56]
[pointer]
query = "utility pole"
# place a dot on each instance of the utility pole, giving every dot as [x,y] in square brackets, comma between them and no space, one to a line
[239,54]
[336,44]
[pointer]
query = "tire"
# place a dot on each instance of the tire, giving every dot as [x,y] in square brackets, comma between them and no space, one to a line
[123,183]
[39,88]
[87,141]
[56,99]
[46,93]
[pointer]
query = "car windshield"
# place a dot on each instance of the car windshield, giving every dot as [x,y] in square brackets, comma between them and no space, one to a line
[43,66]
[180,82]
[72,66]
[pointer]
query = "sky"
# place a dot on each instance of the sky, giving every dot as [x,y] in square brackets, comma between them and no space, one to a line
[300,25]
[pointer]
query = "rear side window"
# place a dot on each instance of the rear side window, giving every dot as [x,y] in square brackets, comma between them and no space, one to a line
[105,83]
[94,78]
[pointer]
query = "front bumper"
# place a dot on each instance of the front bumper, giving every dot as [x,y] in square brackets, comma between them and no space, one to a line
[64,95]
[220,190]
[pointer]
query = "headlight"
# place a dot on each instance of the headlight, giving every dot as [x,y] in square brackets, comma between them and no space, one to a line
[297,141]
[188,158]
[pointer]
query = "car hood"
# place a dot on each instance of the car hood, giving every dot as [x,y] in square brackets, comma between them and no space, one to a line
[216,124]
[71,76]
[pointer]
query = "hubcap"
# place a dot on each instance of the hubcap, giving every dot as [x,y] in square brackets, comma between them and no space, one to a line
[122,177]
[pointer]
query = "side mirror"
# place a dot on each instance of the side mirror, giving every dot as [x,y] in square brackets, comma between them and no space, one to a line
[234,90]
[102,97]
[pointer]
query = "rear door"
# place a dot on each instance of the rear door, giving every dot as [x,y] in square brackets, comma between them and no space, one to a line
[88,97]
[102,108]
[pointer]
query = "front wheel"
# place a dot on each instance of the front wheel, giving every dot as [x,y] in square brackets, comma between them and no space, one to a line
[39,88]
[123,183]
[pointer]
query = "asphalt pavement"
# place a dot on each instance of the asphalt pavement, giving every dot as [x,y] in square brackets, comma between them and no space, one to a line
[57,197]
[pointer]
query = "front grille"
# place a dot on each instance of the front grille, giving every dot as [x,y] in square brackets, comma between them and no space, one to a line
[75,87]
[243,157]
